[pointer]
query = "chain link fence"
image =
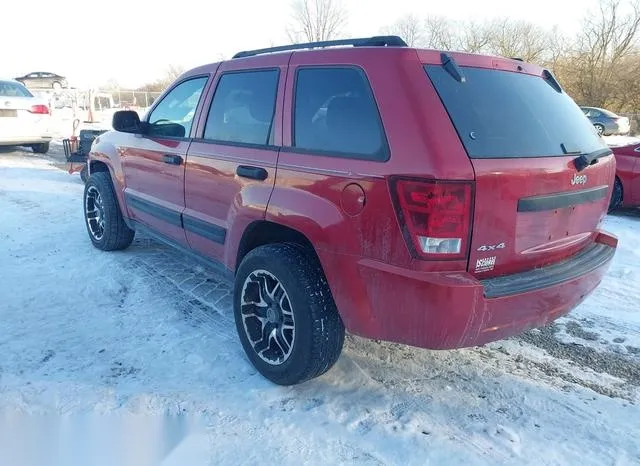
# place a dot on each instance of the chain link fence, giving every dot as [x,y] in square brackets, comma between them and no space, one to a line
[103,99]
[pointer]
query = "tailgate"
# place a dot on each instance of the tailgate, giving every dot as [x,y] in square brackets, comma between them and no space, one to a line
[522,133]
[534,212]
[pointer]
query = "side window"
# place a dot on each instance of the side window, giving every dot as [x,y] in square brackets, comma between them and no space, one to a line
[174,114]
[335,114]
[243,107]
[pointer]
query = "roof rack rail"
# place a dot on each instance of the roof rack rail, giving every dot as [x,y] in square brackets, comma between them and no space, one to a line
[376,41]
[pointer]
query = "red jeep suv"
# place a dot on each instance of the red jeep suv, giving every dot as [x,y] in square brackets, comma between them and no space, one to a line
[440,200]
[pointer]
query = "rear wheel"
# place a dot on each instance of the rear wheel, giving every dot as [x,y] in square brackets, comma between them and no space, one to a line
[599,129]
[616,196]
[105,224]
[42,148]
[285,316]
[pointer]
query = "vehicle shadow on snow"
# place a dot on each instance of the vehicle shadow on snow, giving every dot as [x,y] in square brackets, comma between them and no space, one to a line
[628,212]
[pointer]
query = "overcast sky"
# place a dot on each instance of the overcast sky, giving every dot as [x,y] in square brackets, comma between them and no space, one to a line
[134,41]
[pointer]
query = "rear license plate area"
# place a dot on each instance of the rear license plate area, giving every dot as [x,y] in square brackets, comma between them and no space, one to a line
[8,113]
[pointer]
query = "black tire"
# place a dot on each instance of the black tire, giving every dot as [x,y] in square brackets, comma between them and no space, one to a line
[599,129]
[616,196]
[84,174]
[41,148]
[318,333]
[116,234]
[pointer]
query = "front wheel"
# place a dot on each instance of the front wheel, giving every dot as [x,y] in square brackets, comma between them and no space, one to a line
[616,196]
[41,148]
[599,129]
[285,316]
[84,174]
[105,224]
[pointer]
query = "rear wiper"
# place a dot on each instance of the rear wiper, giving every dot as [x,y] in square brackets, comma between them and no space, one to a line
[451,67]
[584,160]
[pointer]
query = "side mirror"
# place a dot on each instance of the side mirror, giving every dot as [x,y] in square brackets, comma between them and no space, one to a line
[126,121]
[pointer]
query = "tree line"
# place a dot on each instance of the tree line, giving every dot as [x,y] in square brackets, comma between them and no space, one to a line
[598,66]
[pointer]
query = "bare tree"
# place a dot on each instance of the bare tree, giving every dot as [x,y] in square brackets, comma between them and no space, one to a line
[608,39]
[173,72]
[410,28]
[170,75]
[440,33]
[316,20]
[472,36]
[517,39]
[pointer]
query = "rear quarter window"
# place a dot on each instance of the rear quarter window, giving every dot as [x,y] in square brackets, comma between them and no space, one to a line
[335,114]
[503,114]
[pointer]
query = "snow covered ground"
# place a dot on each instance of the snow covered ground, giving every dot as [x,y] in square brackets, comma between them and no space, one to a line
[621,140]
[131,358]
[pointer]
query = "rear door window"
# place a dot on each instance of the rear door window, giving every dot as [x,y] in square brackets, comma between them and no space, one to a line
[243,107]
[502,114]
[335,114]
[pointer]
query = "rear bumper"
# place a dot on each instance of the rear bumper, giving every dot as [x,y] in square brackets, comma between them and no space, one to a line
[23,140]
[32,129]
[455,310]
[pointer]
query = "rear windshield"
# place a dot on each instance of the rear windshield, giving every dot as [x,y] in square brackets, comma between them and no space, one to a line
[9,89]
[502,114]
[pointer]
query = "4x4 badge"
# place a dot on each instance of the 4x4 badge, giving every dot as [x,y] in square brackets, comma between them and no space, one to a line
[578,179]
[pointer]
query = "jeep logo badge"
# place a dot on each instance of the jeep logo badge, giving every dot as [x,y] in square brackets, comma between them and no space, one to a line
[578,179]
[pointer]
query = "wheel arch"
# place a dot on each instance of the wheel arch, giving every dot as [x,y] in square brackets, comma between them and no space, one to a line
[103,164]
[262,232]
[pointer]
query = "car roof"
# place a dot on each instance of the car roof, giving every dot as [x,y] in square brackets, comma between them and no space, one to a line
[383,44]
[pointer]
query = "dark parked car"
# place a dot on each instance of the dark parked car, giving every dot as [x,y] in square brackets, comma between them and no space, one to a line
[606,122]
[626,191]
[43,80]
[440,200]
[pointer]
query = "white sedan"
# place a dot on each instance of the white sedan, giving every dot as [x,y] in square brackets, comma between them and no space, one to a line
[25,120]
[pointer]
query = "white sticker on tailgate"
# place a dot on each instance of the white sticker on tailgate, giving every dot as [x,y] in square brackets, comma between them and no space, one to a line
[486,264]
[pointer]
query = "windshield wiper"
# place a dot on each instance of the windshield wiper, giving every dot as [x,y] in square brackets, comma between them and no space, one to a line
[584,160]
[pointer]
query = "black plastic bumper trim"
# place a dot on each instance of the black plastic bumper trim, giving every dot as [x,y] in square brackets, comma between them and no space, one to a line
[586,261]
[561,200]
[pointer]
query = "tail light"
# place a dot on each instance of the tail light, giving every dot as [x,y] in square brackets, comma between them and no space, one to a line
[39,109]
[435,216]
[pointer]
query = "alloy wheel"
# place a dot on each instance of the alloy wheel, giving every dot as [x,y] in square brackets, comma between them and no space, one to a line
[94,213]
[267,317]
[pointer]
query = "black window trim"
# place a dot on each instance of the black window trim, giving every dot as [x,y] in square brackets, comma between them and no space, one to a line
[272,147]
[164,96]
[382,156]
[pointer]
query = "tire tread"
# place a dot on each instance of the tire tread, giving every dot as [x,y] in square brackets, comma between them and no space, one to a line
[117,235]
[327,328]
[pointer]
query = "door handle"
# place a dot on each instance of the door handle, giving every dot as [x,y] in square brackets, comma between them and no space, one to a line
[255,173]
[172,159]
